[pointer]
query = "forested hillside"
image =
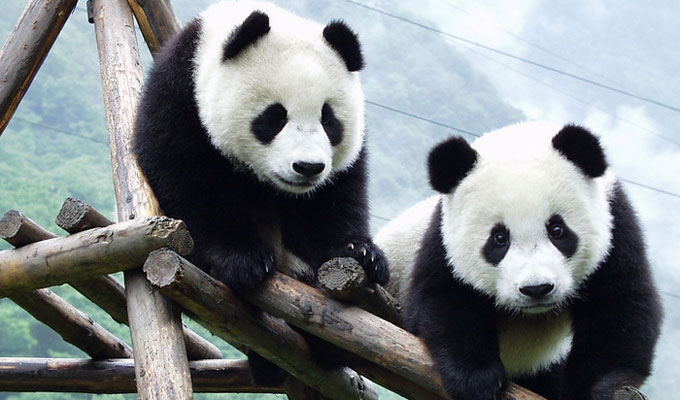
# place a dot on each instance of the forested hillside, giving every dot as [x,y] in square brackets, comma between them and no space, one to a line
[56,145]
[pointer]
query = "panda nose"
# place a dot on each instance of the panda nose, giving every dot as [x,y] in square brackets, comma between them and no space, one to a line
[537,291]
[308,169]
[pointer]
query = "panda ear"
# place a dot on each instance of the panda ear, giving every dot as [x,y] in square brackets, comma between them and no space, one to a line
[582,148]
[449,162]
[253,28]
[346,43]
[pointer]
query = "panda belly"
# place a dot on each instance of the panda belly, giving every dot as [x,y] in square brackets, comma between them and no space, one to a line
[529,344]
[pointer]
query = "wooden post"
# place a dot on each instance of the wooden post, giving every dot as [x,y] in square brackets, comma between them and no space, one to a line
[161,363]
[92,253]
[117,376]
[235,321]
[156,20]
[26,49]
[76,216]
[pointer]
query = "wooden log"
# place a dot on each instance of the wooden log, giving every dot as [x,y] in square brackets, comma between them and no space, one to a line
[71,324]
[629,393]
[355,330]
[214,305]
[156,20]
[344,278]
[161,364]
[117,376]
[26,48]
[89,254]
[76,216]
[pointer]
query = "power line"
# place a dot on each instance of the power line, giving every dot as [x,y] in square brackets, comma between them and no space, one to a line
[65,132]
[525,60]
[650,187]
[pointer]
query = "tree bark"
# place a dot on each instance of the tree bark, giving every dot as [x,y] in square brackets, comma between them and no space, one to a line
[89,254]
[117,376]
[235,321]
[76,216]
[26,49]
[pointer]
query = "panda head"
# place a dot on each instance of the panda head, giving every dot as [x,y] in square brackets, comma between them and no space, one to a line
[280,95]
[525,212]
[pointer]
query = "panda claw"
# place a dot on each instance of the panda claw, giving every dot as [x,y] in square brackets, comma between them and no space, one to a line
[373,260]
[363,252]
[350,246]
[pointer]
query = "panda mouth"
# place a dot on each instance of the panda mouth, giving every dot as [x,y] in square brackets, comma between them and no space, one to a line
[300,184]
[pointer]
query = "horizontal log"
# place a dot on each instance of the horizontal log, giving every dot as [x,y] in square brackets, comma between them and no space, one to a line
[213,305]
[72,325]
[117,376]
[629,393]
[76,216]
[89,254]
[26,49]
[344,278]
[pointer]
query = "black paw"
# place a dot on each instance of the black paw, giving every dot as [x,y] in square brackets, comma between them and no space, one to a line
[371,258]
[242,269]
[480,384]
[264,372]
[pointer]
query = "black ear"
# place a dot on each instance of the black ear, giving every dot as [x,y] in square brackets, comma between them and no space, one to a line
[581,148]
[253,28]
[449,162]
[346,43]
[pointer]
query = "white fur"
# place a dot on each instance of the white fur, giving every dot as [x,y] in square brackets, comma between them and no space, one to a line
[292,65]
[521,181]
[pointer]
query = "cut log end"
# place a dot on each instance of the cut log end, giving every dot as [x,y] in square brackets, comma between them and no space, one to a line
[341,276]
[629,393]
[19,230]
[77,216]
[175,231]
[10,224]
[163,268]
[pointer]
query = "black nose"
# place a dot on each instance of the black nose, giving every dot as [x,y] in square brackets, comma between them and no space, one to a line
[308,169]
[537,291]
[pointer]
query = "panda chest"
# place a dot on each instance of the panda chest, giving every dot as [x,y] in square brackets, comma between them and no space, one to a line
[529,344]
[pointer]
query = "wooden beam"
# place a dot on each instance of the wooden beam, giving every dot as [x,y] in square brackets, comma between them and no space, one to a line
[235,321]
[161,364]
[344,278]
[76,216]
[156,20]
[26,49]
[89,254]
[117,376]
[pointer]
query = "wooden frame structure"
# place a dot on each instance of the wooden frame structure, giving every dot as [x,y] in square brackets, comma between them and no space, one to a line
[168,360]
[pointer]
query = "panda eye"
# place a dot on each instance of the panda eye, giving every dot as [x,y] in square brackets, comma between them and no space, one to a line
[556,231]
[501,238]
[331,125]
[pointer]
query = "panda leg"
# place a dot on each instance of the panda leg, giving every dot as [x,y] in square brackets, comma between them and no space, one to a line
[546,382]
[264,372]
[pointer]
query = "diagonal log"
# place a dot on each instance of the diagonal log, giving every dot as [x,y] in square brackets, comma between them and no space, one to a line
[72,325]
[235,321]
[89,254]
[26,49]
[346,326]
[75,375]
[76,216]
[156,20]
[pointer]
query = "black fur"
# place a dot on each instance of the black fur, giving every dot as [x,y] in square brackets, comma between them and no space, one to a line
[346,43]
[269,123]
[567,241]
[581,148]
[331,125]
[494,250]
[252,29]
[616,322]
[449,162]
[224,205]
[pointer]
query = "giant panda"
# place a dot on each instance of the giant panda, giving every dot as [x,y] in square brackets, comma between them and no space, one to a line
[251,130]
[528,265]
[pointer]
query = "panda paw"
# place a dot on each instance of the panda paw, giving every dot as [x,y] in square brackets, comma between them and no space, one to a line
[480,384]
[371,258]
[244,269]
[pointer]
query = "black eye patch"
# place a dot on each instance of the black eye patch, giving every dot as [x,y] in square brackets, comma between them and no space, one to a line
[563,238]
[497,245]
[269,123]
[331,125]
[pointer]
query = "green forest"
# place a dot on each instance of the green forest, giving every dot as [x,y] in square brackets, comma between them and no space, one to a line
[57,146]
